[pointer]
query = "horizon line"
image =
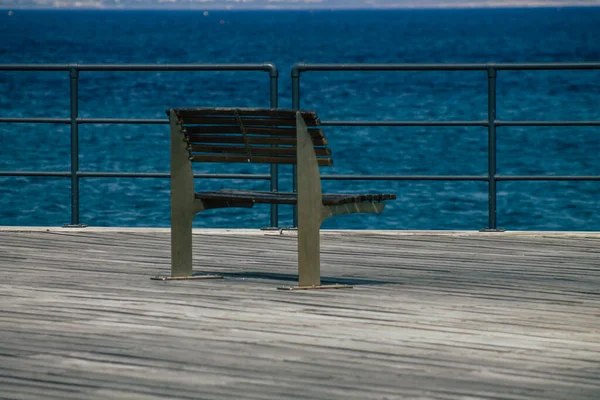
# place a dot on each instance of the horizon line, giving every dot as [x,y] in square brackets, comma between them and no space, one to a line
[202,9]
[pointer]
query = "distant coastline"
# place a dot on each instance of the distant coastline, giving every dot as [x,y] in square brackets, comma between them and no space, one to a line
[13,10]
[263,5]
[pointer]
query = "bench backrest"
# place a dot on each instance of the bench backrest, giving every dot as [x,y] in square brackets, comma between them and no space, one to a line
[246,135]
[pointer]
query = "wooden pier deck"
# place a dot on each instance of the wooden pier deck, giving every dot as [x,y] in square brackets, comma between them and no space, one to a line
[431,316]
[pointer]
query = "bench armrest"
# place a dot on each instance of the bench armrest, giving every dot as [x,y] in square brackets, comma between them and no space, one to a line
[308,175]
[182,175]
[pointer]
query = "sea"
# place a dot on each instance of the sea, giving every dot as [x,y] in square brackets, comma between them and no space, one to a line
[324,36]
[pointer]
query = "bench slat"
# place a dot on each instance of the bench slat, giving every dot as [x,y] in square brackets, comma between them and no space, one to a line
[290,198]
[291,122]
[257,112]
[323,162]
[238,139]
[256,150]
[250,130]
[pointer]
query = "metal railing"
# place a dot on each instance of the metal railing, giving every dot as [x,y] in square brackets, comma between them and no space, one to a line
[74,121]
[491,122]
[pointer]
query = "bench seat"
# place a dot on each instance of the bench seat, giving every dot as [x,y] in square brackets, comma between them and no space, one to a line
[252,197]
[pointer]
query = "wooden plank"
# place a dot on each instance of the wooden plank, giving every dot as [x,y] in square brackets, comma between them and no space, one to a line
[235,139]
[310,117]
[212,129]
[269,122]
[256,150]
[253,196]
[446,317]
[323,162]
[246,112]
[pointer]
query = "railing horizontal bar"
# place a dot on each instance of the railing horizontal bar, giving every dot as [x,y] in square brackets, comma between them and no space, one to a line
[544,66]
[443,67]
[547,123]
[34,67]
[162,121]
[391,67]
[548,177]
[85,174]
[173,67]
[463,177]
[458,123]
[57,174]
[404,123]
[36,120]
[156,121]
[137,67]
[405,177]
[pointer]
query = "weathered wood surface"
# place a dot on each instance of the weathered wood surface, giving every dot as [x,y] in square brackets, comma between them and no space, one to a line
[493,316]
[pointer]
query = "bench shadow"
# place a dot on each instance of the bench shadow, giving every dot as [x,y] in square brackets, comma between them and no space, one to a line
[294,278]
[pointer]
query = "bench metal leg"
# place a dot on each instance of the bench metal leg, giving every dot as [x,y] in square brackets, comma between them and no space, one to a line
[309,256]
[311,213]
[309,262]
[181,244]
[183,208]
[181,248]
[309,253]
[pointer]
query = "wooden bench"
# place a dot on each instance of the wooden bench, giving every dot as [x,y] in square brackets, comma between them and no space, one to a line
[270,136]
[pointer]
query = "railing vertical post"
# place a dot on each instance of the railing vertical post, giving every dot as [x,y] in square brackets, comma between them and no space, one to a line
[295,106]
[491,73]
[274,103]
[74,89]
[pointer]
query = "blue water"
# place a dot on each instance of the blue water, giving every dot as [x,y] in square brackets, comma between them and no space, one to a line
[524,35]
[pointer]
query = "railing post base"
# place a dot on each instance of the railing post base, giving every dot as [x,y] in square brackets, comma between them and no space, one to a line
[74,226]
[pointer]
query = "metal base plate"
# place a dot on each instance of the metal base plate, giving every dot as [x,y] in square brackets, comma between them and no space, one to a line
[183,278]
[492,230]
[314,287]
